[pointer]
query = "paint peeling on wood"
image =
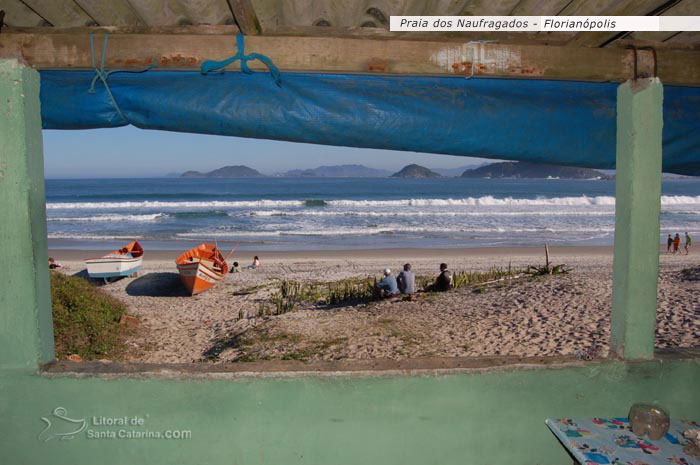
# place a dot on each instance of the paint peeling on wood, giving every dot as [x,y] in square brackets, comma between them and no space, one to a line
[178,59]
[482,60]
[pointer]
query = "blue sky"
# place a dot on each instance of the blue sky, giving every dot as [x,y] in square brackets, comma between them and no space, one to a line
[132,152]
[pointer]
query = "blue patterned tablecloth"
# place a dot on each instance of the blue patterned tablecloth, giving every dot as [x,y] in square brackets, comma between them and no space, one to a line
[594,441]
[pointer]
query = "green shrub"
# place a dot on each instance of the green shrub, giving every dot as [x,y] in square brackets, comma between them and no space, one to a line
[85,319]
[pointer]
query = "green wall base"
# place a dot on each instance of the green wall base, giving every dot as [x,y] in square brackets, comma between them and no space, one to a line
[480,418]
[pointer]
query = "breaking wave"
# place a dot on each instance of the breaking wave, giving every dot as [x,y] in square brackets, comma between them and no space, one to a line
[133,218]
[487,200]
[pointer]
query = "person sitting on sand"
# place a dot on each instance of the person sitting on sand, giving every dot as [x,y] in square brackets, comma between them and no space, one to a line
[443,282]
[236,268]
[669,244]
[407,280]
[677,243]
[255,264]
[53,264]
[688,243]
[387,287]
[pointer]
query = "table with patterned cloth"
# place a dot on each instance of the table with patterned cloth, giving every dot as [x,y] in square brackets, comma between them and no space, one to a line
[595,441]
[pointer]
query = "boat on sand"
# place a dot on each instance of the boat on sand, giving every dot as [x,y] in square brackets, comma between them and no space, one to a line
[120,263]
[201,268]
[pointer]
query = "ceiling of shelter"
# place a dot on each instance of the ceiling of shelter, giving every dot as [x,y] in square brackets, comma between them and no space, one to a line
[361,18]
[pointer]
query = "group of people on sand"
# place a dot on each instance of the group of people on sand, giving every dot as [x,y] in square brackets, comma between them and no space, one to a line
[236,268]
[405,283]
[673,244]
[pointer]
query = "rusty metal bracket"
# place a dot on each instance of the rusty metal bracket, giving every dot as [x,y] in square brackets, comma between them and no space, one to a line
[635,51]
[656,61]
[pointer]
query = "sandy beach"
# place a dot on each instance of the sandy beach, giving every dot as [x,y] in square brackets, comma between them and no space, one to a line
[528,316]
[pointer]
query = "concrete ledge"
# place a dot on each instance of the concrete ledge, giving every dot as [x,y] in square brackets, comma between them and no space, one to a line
[432,366]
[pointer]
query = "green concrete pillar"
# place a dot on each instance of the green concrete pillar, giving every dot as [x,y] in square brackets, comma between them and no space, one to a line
[26,326]
[637,230]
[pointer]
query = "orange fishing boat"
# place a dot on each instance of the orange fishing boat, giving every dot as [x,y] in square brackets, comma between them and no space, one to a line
[201,268]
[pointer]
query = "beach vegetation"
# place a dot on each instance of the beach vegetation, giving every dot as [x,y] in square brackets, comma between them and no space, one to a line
[86,319]
[289,294]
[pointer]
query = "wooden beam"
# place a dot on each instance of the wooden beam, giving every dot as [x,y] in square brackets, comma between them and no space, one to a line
[245,16]
[59,50]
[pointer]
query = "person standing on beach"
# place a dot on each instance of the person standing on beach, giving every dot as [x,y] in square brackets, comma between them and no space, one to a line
[677,243]
[688,243]
[669,244]
[407,280]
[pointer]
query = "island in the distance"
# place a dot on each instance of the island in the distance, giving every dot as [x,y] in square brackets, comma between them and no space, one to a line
[415,171]
[238,171]
[522,169]
[339,171]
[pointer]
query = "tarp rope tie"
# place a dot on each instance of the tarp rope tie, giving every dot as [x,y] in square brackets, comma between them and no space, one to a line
[211,65]
[103,75]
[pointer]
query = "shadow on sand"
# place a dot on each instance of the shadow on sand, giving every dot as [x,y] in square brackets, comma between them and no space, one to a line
[691,274]
[157,285]
[96,281]
[82,274]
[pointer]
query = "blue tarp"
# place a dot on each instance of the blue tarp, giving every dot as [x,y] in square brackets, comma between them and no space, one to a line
[559,122]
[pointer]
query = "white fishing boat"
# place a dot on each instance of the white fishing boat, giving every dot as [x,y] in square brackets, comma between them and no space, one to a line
[120,263]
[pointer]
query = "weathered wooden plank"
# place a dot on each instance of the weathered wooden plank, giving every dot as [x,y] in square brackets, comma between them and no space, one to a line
[61,13]
[381,33]
[343,55]
[228,29]
[619,8]
[19,14]
[111,12]
[539,7]
[689,38]
[245,16]
[162,12]
[488,7]
[684,8]
[211,12]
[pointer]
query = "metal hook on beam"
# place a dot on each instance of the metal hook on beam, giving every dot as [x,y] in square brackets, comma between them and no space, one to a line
[473,43]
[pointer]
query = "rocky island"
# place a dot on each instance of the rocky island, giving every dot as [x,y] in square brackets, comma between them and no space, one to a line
[527,170]
[238,171]
[415,172]
[339,171]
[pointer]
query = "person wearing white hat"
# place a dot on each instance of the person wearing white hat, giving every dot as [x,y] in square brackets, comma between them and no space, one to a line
[387,287]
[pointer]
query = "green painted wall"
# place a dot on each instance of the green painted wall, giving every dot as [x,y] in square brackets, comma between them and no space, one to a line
[26,332]
[487,418]
[637,206]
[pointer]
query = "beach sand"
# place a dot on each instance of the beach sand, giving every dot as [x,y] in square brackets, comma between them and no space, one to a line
[531,316]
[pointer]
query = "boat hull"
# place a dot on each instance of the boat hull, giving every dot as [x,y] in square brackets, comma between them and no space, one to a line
[112,267]
[197,277]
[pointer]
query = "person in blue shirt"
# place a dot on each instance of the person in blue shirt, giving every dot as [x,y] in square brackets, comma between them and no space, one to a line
[387,287]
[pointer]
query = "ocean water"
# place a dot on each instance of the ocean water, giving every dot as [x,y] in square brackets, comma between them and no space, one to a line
[347,213]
